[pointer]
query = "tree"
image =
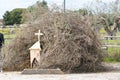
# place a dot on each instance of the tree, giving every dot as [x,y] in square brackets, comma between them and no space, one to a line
[6,18]
[111,20]
[110,26]
[84,12]
[35,11]
[13,17]
[44,3]
[16,16]
[107,14]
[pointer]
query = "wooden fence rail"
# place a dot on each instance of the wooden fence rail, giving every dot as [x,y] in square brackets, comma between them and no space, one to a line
[107,44]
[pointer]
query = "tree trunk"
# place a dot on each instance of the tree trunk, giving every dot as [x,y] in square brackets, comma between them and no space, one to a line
[112,34]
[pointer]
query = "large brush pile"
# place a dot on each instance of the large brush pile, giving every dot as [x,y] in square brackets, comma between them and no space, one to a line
[68,43]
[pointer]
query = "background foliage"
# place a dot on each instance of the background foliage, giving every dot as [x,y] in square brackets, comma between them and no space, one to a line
[13,17]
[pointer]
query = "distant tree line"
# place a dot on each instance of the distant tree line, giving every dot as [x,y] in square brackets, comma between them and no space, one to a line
[105,16]
[35,11]
[20,15]
[32,13]
[13,17]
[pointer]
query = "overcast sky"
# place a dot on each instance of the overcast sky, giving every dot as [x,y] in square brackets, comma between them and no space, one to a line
[7,5]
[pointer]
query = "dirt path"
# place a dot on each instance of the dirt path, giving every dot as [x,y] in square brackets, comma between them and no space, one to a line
[91,76]
[112,75]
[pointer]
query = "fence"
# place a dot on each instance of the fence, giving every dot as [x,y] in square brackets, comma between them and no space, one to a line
[107,38]
[110,42]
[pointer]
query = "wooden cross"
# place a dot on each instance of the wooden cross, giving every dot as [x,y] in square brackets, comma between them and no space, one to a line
[39,34]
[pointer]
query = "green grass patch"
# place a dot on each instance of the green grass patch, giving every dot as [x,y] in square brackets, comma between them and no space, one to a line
[113,55]
[9,34]
[109,59]
[118,34]
[112,50]
[111,42]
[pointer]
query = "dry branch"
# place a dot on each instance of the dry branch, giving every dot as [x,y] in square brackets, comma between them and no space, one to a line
[68,43]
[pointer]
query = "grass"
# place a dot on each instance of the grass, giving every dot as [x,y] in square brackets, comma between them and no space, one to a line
[111,59]
[113,53]
[9,34]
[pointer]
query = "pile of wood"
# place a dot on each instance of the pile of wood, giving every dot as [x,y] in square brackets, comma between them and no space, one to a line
[68,43]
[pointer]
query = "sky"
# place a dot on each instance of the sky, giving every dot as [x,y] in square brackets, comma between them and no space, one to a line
[8,5]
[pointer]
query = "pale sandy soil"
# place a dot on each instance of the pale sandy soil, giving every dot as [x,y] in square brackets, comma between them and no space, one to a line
[114,74]
[91,76]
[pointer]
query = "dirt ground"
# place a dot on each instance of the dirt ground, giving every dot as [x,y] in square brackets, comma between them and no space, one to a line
[88,76]
[113,74]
